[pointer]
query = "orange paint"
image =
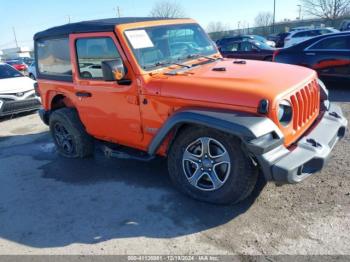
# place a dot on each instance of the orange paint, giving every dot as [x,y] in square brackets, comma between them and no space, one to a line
[131,115]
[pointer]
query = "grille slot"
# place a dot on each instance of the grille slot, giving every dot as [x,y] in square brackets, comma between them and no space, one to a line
[20,105]
[306,104]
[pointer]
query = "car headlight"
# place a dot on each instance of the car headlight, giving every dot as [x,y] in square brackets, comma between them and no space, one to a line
[1,103]
[285,113]
[323,90]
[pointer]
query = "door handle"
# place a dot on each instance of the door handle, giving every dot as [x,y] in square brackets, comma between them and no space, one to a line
[83,94]
[311,54]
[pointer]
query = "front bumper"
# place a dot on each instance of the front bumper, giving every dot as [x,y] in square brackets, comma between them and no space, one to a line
[15,107]
[310,154]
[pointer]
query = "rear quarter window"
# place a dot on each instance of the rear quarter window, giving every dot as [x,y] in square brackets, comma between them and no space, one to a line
[53,57]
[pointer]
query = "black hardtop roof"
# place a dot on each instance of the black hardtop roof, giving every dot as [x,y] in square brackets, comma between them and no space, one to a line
[103,25]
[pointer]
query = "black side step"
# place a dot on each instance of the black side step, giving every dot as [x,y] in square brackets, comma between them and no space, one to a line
[126,154]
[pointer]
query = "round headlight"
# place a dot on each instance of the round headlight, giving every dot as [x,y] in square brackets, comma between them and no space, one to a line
[285,113]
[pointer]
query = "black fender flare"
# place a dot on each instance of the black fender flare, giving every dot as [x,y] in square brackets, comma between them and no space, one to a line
[248,127]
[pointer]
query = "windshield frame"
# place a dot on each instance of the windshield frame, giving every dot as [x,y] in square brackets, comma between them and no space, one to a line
[167,62]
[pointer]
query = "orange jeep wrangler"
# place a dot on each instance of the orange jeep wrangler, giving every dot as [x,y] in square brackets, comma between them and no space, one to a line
[147,87]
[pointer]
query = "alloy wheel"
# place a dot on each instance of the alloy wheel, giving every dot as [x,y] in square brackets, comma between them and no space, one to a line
[206,164]
[64,139]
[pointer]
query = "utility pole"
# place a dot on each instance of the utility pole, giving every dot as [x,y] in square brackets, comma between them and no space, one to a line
[300,8]
[118,12]
[274,16]
[14,33]
[69,19]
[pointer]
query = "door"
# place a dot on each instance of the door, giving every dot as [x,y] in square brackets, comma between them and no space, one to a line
[330,57]
[109,111]
[249,51]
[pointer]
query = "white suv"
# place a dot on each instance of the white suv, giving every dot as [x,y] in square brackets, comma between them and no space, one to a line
[297,37]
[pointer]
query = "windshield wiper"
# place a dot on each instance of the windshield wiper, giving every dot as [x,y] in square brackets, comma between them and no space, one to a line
[157,64]
[201,56]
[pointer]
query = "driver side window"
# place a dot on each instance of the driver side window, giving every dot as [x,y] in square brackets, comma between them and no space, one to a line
[246,47]
[230,47]
[91,52]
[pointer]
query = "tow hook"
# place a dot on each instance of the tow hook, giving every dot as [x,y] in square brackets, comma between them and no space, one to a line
[314,143]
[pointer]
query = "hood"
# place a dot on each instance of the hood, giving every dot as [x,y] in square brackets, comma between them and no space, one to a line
[242,84]
[16,85]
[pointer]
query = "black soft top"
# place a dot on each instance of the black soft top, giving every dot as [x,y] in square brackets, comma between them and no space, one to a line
[104,25]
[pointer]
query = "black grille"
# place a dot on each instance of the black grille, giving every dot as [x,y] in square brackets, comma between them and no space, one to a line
[6,99]
[20,105]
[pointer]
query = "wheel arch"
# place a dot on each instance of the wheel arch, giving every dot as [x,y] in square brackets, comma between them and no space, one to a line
[59,101]
[246,127]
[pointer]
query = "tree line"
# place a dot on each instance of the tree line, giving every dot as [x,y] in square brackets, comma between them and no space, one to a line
[323,9]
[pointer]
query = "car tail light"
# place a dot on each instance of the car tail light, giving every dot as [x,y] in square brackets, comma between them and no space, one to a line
[277,51]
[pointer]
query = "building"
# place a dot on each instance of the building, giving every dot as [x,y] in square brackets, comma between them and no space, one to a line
[13,53]
[1,54]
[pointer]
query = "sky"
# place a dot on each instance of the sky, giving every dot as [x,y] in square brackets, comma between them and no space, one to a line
[32,16]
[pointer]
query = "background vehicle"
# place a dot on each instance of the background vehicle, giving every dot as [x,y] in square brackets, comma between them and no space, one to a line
[300,36]
[17,92]
[246,37]
[302,28]
[18,65]
[247,49]
[91,71]
[32,71]
[345,26]
[279,39]
[218,122]
[329,55]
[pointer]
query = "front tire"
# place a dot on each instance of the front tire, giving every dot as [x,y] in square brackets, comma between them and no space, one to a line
[211,166]
[69,134]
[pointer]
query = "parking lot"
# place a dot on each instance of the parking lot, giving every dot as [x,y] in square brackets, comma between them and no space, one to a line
[52,205]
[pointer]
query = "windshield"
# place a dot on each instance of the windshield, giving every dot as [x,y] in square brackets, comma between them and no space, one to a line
[164,45]
[260,38]
[7,71]
[262,45]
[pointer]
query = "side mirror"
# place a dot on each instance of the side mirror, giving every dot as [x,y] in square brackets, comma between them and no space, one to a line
[114,70]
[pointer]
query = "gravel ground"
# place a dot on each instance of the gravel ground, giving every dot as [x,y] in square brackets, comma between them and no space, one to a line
[52,205]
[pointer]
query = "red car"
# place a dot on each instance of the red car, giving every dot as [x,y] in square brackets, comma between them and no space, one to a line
[18,65]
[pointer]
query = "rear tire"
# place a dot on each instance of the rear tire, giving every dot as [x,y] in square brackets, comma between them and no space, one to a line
[201,176]
[69,134]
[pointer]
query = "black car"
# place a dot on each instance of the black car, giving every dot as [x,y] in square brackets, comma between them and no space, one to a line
[328,54]
[245,37]
[279,39]
[247,49]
